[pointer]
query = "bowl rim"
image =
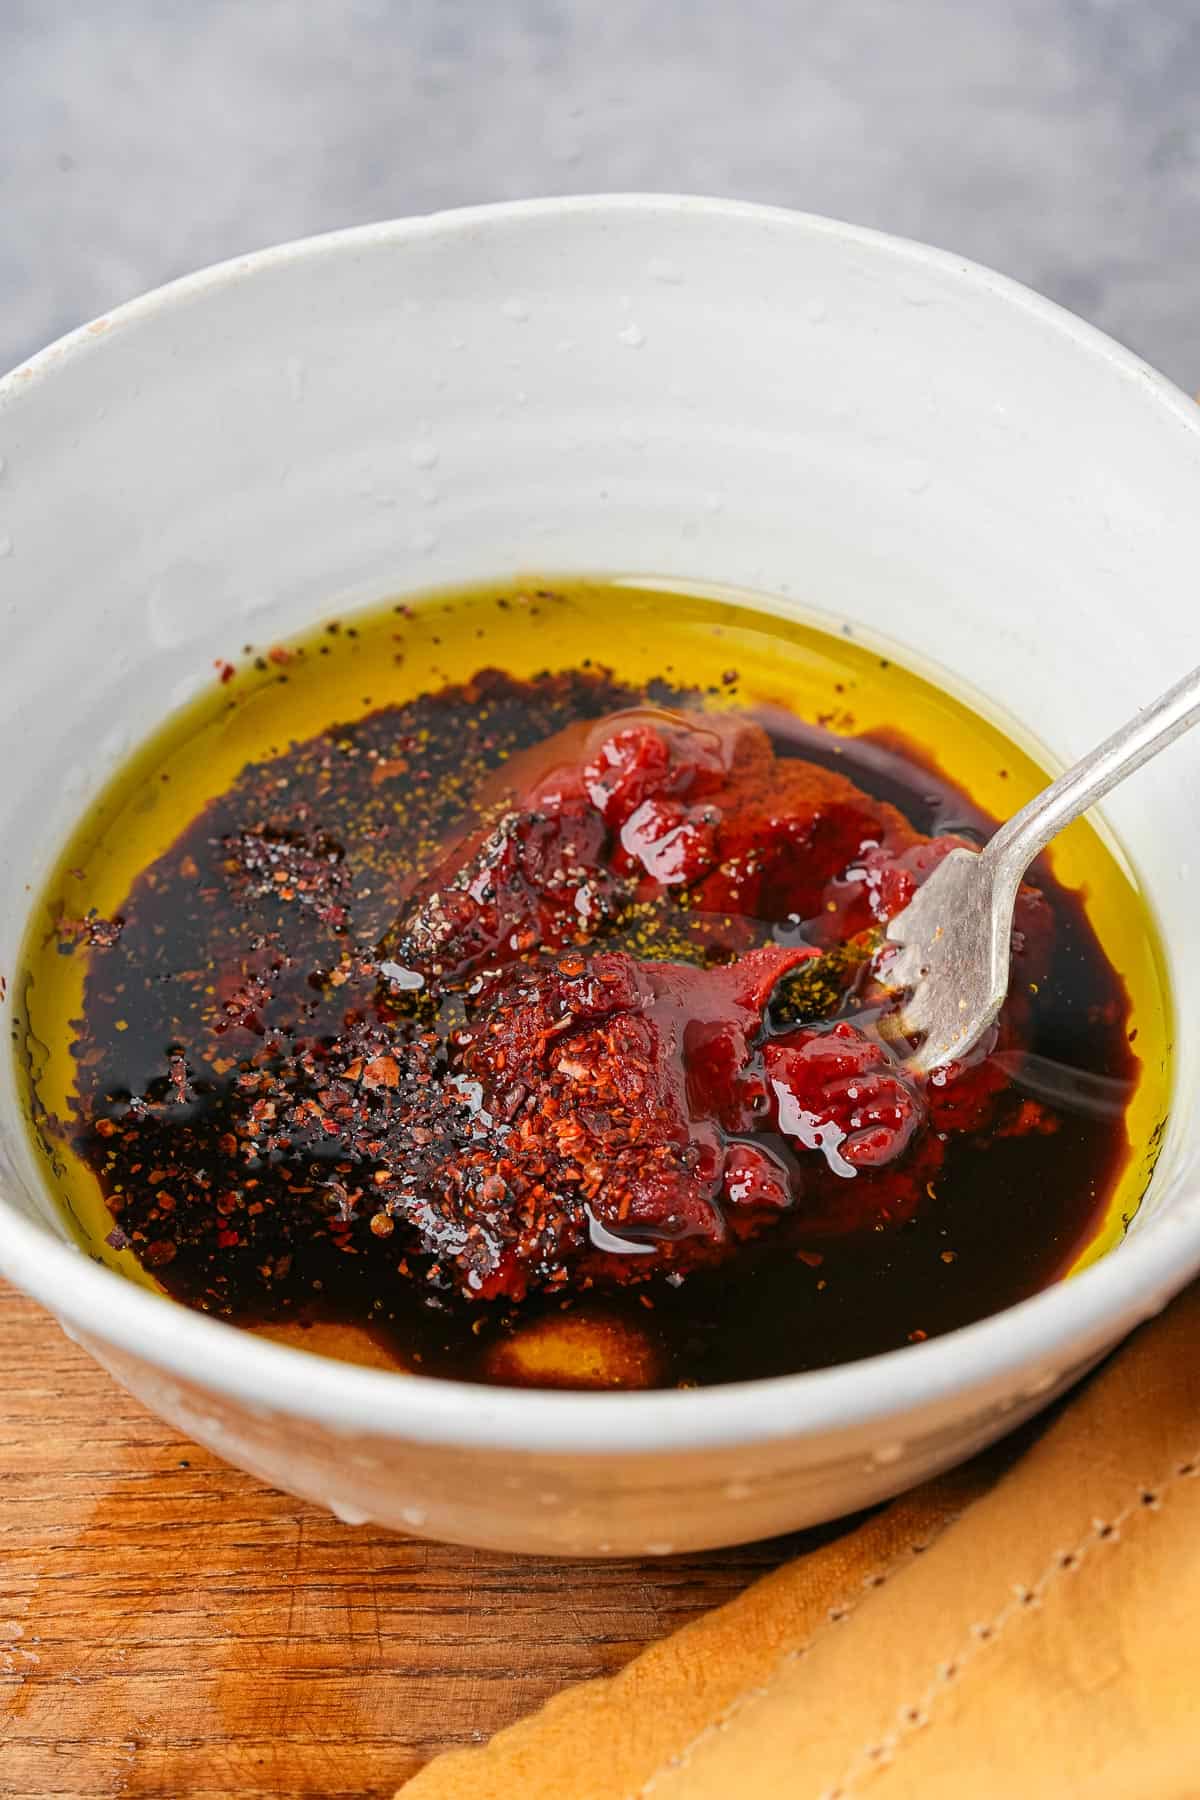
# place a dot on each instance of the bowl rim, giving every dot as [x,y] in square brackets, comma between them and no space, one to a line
[1067,1322]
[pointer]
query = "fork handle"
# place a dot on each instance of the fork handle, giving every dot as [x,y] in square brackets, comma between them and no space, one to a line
[1017,842]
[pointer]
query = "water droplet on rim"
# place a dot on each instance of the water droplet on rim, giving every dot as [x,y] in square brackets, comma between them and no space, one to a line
[515,309]
[632,336]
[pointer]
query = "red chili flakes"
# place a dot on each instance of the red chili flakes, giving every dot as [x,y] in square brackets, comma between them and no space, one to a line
[284,865]
[387,769]
[381,1071]
[93,931]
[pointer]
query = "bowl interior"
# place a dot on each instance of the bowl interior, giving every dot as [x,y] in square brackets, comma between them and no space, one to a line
[705,392]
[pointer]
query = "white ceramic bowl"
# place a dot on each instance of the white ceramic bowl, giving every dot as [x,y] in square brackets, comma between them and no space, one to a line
[679,387]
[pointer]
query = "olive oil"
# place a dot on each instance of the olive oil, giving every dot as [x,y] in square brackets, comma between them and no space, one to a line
[897,733]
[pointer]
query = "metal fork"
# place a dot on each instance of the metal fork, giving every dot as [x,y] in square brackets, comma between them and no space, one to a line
[953,937]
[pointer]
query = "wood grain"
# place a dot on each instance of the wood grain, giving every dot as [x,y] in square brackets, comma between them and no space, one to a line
[170,1627]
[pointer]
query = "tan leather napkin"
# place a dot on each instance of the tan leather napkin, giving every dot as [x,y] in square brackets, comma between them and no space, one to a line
[1030,1629]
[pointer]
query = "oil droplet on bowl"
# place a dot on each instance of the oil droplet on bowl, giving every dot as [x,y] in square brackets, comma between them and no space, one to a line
[423,456]
[632,335]
[515,309]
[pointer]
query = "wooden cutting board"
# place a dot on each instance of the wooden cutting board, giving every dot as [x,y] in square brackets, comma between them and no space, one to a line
[171,1628]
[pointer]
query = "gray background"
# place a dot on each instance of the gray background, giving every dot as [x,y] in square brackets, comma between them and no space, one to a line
[1058,140]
